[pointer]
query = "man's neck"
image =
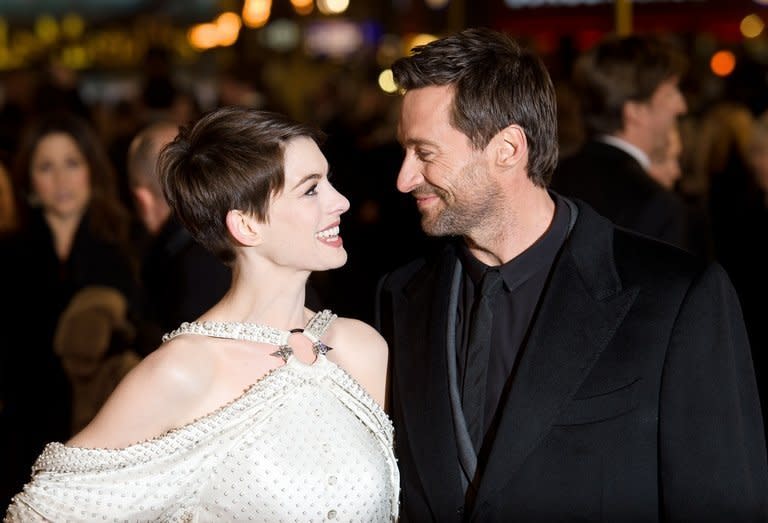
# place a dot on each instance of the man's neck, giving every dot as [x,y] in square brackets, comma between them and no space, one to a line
[526,218]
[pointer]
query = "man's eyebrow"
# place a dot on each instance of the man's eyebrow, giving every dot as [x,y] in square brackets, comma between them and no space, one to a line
[313,176]
[417,142]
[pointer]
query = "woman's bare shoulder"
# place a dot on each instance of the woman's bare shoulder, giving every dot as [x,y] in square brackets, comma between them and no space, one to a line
[357,334]
[362,351]
[154,397]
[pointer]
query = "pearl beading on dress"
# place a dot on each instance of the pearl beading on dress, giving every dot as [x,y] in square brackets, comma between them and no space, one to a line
[232,464]
[255,332]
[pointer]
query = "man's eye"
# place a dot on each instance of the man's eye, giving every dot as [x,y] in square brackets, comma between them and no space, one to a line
[312,191]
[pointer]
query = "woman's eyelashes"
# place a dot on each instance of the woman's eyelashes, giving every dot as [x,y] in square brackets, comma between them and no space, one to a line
[312,191]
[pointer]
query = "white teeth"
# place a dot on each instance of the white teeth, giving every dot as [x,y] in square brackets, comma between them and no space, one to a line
[328,233]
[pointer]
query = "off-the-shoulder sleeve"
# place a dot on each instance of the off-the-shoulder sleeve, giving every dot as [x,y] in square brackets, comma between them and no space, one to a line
[147,482]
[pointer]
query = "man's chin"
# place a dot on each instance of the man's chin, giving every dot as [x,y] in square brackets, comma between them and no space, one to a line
[434,228]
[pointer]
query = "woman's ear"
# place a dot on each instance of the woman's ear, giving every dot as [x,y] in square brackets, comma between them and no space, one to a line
[243,227]
[511,146]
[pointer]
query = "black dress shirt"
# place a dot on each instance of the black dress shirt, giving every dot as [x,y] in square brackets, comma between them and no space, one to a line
[524,279]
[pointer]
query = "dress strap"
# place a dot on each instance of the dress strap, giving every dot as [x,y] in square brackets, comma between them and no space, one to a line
[315,328]
[318,324]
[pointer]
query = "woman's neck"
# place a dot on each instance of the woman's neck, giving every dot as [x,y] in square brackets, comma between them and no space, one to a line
[273,299]
[63,230]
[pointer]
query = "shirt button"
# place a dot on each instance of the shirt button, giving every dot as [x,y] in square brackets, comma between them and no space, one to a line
[331,514]
[332,480]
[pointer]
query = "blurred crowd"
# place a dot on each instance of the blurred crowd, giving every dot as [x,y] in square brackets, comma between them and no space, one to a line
[94,269]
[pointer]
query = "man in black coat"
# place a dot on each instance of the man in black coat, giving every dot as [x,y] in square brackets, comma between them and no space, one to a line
[629,96]
[611,379]
[180,278]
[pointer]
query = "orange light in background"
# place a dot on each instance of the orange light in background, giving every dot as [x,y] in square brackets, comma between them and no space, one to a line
[228,27]
[722,63]
[256,12]
[437,4]
[416,40]
[751,26]
[203,36]
[303,7]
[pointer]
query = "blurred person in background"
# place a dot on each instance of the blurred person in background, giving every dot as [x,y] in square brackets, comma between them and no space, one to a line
[72,234]
[630,99]
[180,278]
[665,163]
[666,168]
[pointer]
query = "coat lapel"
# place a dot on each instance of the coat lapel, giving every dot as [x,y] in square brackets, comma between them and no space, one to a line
[583,305]
[427,409]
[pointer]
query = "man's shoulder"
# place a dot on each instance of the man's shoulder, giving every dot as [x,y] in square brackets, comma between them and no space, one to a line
[401,276]
[636,257]
[417,268]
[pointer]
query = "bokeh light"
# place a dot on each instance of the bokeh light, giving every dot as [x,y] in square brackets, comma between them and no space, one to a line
[46,28]
[256,12]
[72,25]
[281,35]
[751,26]
[387,81]
[303,7]
[332,7]
[203,36]
[228,27]
[722,63]
[417,40]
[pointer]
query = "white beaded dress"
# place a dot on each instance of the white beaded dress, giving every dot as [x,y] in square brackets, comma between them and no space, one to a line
[304,443]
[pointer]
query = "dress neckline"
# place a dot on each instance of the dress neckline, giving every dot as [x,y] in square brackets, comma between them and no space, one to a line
[255,332]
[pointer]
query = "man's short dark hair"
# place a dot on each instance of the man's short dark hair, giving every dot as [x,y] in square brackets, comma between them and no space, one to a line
[496,83]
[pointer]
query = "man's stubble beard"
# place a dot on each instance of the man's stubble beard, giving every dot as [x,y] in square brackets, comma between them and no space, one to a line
[461,217]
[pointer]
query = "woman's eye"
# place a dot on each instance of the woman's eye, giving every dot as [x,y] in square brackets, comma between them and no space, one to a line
[311,191]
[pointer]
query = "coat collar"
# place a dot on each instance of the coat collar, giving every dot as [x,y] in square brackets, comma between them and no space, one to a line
[582,306]
[422,378]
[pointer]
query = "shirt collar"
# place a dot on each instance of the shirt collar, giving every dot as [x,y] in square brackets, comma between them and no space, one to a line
[537,257]
[632,150]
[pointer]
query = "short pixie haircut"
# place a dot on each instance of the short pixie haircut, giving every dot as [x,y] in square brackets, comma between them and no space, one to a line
[231,158]
[496,83]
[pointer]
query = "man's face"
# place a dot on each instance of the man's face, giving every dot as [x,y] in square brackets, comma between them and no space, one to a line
[661,113]
[451,181]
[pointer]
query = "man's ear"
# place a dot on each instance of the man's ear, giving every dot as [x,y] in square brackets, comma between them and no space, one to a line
[631,112]
[243,227]
[144,200]
[510,146]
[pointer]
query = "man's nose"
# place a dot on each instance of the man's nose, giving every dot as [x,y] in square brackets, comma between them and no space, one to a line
[409,176]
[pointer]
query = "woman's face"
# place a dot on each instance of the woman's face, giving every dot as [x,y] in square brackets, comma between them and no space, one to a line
[303,228]
[60,176]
